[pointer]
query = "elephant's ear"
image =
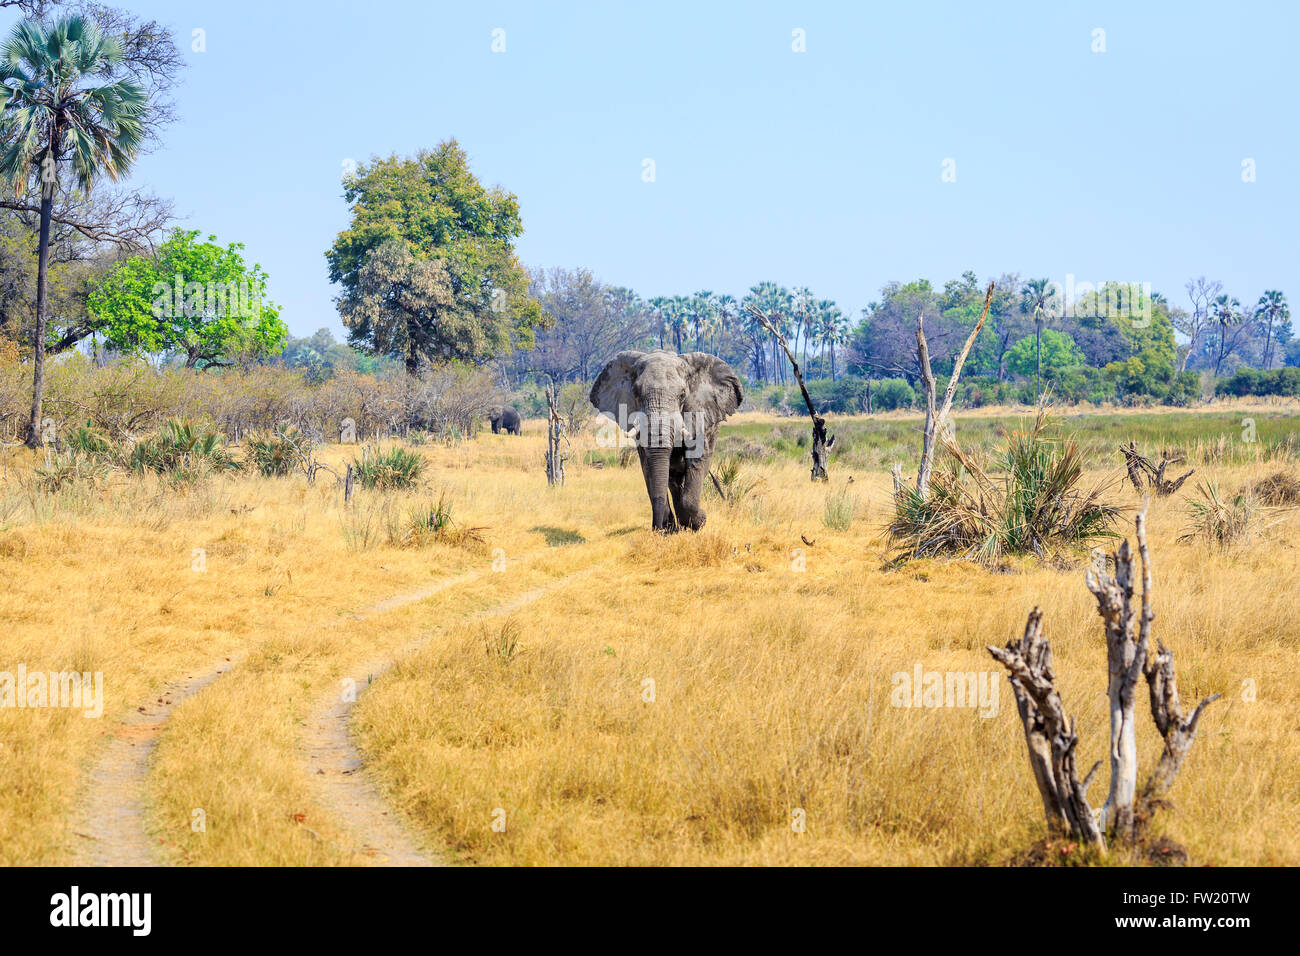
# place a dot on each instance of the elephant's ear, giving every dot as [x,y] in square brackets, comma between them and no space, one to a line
[613,386]
[712,387]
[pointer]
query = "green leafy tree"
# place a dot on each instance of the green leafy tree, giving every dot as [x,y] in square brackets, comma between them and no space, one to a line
[54,113]
[427,265]
[1044,354]
[197,300]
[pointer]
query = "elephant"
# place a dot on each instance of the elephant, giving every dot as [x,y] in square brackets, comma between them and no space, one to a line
[504,419]
[675,403]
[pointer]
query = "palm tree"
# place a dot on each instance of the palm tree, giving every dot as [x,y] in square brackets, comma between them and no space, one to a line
[829,321]
[50,116]
[703,312]
[802,306]
[769,298]
[1227,313]
[1035,297]
[728,312]
[1272,308]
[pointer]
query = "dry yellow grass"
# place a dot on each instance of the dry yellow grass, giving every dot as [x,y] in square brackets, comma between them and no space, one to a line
[770,661]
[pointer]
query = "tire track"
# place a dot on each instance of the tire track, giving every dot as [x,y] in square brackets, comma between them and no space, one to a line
[342,786]
[109,823]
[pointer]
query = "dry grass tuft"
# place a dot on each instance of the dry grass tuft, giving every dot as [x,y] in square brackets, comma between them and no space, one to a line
[1279,490]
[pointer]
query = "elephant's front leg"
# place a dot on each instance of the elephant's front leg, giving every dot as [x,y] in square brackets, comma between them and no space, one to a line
[688,486]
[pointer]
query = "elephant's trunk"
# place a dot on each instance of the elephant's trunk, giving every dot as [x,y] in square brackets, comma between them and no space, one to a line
[658,487]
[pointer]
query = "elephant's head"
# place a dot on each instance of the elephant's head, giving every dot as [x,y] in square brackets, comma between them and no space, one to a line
[675,403]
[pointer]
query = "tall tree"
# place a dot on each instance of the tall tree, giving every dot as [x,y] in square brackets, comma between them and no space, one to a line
[442,220]
[1273,311]
[53,115]
[1039,301]
[1201,292]
[1226,312]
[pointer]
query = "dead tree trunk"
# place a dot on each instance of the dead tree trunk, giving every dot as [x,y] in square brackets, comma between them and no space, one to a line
[935,417]
[1049,734]
[1126,654]
[556,437]
[1143,475]
[1178,732]
[821,443]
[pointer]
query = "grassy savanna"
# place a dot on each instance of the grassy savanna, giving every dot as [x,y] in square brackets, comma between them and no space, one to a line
[659,699]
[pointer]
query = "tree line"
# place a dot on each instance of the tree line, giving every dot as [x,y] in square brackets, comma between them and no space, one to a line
[428,274]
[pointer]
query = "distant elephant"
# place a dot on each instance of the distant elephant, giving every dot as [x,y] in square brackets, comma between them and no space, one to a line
[675,403]
[506,419]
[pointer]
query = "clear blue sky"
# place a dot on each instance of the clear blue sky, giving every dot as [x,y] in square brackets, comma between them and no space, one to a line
[820,168]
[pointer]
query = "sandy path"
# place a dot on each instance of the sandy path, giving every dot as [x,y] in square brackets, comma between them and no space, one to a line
[109,822]
[342,787]
[109,825]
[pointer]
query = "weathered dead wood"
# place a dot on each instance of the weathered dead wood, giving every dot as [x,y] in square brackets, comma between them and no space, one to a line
[896,473]
[821,443]
[1145,476]
[1049,734]
[1177,731]
[935,417]
[1127,634]
[556,438]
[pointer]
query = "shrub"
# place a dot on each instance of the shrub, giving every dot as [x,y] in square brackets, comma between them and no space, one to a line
[66,469]
[275,454]
[430,522]
[1216,519]
[889,394]
[390,469]
[181,449]
[1250,381]
[732,484]
[88,440]
[1032,502]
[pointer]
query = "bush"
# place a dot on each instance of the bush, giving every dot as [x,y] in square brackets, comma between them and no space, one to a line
[88,440]
[182,449]
[1250,381]
[388,470]
[889,394]
[1032,502]
[733,485]
[67,469]
[1184,390]
[1277,490]
[430,522]
[1218,520]
[275,454]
